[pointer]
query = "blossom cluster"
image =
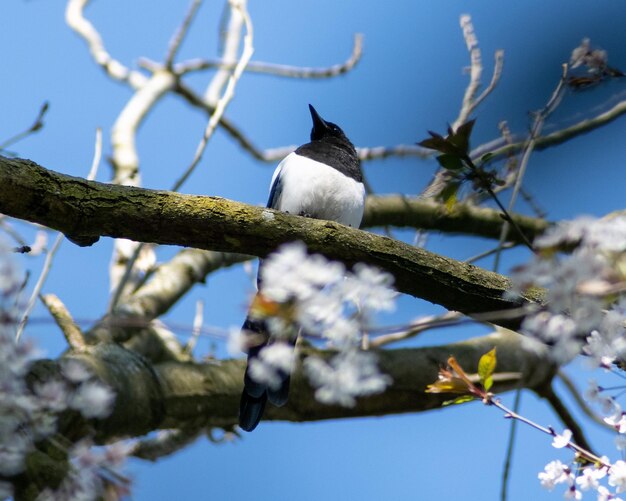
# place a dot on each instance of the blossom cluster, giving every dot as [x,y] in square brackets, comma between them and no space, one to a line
[587,479]
[595,60]
[585,306]
[580,265]
[28,413]
[322,300]
[93,471]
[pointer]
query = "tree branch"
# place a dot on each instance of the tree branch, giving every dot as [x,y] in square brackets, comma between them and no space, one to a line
[178,395]
[86,210]
[398,210]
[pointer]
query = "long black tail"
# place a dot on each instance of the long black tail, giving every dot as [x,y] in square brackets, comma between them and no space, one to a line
[256,394]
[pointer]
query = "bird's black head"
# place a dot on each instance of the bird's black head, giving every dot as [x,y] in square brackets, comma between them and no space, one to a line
[323,129]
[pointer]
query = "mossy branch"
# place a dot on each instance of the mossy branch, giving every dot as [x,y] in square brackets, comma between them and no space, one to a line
[86,210]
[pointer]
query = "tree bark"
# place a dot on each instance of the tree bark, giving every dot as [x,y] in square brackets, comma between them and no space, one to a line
[86,210]
[181,395]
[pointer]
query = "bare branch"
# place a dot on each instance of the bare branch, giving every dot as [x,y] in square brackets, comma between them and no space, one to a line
[115,69]
[198,320]
[38,286]
[64,320]
[184,395]
[36,126]
[499,150]
[400,211]
[230,48]
[240,7]
[173,280]
[470,101]
[423,324]
[495,77]
[540,118]
[278,70]
[180,34]
[248,50]
[476,70]
[566,417]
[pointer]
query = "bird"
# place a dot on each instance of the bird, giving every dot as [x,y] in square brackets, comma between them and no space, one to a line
[321,179]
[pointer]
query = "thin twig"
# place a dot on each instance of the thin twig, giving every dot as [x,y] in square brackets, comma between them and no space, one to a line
[40,281]
[228,95]
[540,119]
[470,101]
[584,452]
[180,34]
[37,125]
[565,416]
[498,64]
[476,70]
[417,327]
[487,253]
[97,156]
[229,47]
[278,70]
[198,320]
[485,184]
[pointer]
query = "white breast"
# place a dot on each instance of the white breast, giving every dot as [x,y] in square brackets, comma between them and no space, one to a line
[314,189]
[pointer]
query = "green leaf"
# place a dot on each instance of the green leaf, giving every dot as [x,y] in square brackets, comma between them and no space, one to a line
[436,142]
[450,161]
[459,400]
[486,367]
[448,194]
[439,143]
[461,138]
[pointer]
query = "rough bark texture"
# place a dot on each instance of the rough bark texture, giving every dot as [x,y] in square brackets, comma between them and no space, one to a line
[86,210]
[179,395]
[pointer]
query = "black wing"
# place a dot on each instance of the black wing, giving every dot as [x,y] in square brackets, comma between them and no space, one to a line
[275,191]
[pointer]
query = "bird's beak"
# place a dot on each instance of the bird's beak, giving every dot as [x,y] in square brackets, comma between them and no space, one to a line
[319,124]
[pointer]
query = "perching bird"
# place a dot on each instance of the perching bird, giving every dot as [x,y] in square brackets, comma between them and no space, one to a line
[323,180]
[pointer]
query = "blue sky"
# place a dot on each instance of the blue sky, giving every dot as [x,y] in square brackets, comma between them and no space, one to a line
[410,80]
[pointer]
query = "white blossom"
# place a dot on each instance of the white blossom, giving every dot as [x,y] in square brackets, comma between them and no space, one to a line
[580,287]
[554,473]
[328,302]
[592,393]
[346,376]
[589,478]
[369,288]
[272,363]
[291,273]
[92,469]
[52,394]
[617,421]
[93,399]
[562,440]
[617,476]
[605,495]
[75,371]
